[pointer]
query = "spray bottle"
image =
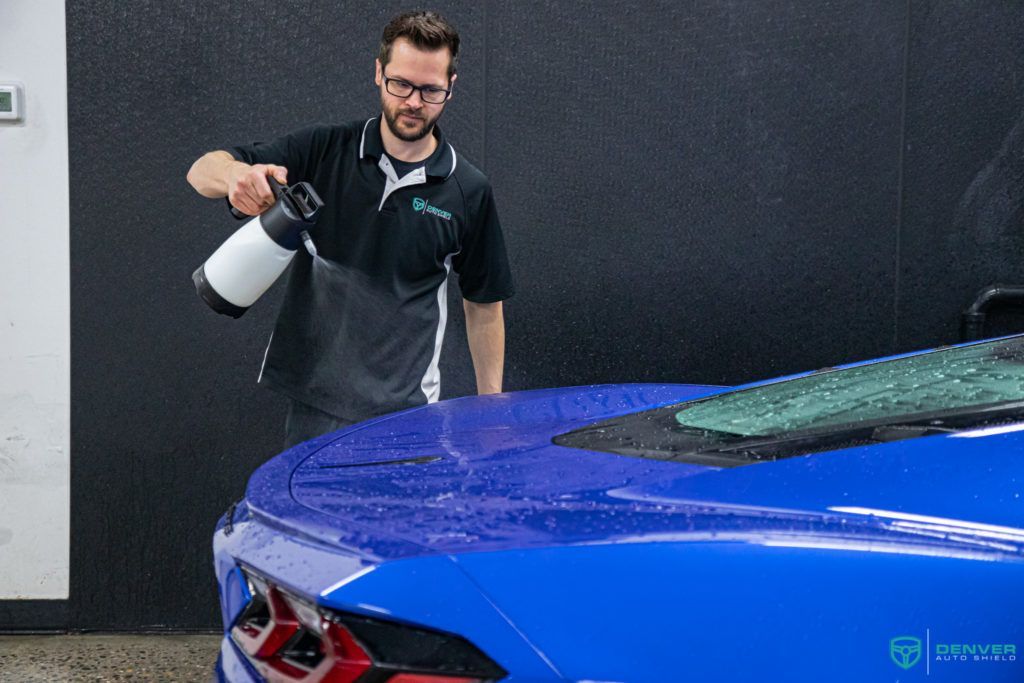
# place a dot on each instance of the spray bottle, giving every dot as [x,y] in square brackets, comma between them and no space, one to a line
[252,259]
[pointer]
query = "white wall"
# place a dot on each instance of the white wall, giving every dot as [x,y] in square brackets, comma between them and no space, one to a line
[34,307]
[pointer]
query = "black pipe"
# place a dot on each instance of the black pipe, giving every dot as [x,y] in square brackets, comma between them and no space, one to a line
[972,321]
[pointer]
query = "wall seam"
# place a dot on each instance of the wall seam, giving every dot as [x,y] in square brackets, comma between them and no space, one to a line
[483,129]
[900,186]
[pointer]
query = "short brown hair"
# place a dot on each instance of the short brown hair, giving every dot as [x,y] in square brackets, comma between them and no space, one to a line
[425,30]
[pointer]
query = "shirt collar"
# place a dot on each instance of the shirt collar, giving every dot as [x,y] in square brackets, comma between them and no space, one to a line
[440,164]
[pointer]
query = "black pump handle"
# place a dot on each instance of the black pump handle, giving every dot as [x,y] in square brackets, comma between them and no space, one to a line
[275,187]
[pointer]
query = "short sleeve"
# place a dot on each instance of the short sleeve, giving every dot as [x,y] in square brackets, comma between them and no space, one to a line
[482,263]
[299,152]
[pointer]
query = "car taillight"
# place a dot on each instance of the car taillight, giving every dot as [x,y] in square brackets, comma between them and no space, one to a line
[290,640]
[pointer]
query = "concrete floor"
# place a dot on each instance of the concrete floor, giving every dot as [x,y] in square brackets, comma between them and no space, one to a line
[103,658]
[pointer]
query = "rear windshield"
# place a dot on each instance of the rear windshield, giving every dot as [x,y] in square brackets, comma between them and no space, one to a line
[942,390]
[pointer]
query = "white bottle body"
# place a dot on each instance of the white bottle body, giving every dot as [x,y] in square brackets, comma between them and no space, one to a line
[246,265]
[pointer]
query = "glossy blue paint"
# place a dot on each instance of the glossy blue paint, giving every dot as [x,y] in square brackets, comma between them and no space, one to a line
[564,564]
[736,611]
[435,591]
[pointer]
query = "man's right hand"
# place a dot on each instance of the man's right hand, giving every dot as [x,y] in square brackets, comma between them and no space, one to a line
[218,174]
[248,189]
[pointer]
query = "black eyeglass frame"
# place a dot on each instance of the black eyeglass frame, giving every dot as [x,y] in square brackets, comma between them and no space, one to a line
[422,88]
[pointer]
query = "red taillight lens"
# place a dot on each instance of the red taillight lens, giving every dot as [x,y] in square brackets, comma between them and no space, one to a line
[344,660]
[287,649]
[291,640]
[261,631]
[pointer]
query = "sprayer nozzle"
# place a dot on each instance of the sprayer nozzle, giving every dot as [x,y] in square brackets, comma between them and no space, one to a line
[308,241]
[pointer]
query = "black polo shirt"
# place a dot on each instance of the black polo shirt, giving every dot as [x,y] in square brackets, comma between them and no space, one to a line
[361,326]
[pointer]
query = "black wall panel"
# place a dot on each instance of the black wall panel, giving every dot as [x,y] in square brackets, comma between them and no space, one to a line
[703,191]
[696,191]
[963,218]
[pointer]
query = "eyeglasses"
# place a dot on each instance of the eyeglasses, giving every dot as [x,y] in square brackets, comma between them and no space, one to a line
[430,94]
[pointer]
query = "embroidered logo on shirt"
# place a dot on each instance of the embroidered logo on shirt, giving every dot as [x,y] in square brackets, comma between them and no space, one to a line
[423,206]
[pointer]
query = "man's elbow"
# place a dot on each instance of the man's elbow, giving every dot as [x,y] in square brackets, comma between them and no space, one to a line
[193,176]
[204,173]
[197,175]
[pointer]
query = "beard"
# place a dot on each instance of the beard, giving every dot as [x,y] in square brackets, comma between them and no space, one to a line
[404,130]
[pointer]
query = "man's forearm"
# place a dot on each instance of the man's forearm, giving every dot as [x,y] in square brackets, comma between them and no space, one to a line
[217,174]
[485,330]
[211,174]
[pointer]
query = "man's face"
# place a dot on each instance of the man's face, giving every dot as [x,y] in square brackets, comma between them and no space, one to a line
[411,118]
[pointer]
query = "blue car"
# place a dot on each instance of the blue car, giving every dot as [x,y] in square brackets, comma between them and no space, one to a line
[860,523]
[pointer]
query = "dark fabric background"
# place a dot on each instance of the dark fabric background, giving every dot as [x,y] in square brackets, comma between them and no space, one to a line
[691,191]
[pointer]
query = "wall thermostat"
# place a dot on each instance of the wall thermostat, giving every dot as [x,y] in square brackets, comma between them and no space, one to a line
[11,102]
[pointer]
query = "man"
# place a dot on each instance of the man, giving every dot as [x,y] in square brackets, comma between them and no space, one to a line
[359,333]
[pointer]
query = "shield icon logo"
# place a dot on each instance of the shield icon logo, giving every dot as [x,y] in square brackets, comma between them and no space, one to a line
[905,651]
[419,204]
